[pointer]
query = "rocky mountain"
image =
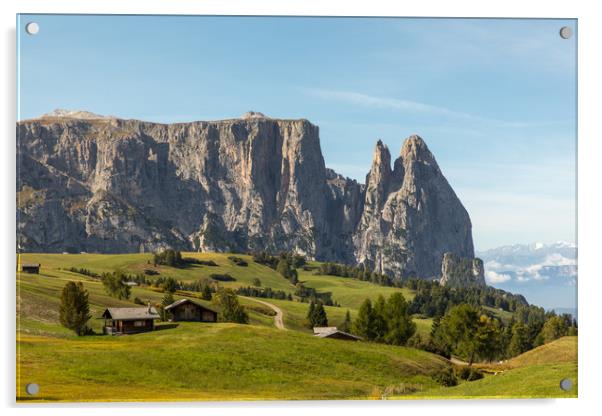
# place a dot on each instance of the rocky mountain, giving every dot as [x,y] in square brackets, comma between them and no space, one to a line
[103,184]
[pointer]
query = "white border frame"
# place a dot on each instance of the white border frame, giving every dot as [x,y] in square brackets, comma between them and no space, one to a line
[590,32]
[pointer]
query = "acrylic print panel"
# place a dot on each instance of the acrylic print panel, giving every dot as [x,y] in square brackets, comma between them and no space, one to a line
[286,208]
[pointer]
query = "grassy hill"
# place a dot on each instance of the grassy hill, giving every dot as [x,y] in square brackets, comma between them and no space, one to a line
[563,350]
[536,373]
[193,361]
[347,291]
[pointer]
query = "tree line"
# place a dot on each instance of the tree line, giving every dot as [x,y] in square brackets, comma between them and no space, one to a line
[432,299]
[359,272]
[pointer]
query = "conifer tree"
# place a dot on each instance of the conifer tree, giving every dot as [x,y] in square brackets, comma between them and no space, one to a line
[310,314]
[363,325]
[74,311]
[399,322]
[320,318]
[379,319]
[346,326]
[231,309]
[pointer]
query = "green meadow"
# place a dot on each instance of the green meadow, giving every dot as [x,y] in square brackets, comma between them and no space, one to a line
[223,361]
[535,373]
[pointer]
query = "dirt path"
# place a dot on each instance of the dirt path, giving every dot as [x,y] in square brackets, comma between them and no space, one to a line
[278,318]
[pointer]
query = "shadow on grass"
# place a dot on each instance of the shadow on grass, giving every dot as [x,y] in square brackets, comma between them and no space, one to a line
[165,326]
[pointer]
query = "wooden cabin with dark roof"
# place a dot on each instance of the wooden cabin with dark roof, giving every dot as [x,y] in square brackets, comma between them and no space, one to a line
[187,310]
[31,268]
[333,332]
[129,320]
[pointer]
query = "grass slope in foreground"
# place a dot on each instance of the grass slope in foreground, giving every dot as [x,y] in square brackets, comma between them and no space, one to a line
[215,362]
[534,374]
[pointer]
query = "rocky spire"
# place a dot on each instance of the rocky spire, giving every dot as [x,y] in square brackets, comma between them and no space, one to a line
[377,180]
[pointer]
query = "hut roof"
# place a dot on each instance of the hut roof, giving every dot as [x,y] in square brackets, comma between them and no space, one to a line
[130,314]
[328,331]
[182,301]
[29,264]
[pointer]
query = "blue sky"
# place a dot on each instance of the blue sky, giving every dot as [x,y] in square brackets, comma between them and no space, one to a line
[494,99]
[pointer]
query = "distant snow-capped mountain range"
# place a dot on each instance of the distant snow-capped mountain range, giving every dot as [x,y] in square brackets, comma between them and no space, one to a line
[545,273]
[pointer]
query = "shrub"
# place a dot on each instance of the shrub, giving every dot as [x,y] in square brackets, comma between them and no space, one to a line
[83,271]
[222,277]
[469,373]
[210,263]
[138,301]
[264,310]
[238,261]
[150,272]
[446,377]
[256,282]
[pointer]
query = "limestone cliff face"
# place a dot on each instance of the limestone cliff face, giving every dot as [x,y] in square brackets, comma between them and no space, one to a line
[123,185]
[103,184]
[461,272]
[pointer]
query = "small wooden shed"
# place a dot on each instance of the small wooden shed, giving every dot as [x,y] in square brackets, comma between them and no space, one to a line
[333,332]
[129,320]
[187,310]
[32,268]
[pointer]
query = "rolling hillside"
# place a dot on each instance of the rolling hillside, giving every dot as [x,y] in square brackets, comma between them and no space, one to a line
[536,373]
[196,361]
[192,361]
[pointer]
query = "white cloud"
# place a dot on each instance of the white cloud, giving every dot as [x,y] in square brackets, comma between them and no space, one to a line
[353,97]
[556,259]
[494,277]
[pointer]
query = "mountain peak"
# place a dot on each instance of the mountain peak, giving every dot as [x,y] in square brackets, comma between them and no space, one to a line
[414,146]
[253,114]
[78,114]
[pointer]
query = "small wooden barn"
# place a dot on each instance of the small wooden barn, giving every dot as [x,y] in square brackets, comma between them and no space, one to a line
[32,268]
[187,310]
[129,320]
[333,332]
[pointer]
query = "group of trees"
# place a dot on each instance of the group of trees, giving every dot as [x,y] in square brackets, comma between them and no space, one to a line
[267,292]
[433,300]
[114,284]
[387,321]
[309,294]
[168,257]
[230,308]
[316,315]
[294,260]
[205,287]
[472,333]
[286,263]
[84,271]
[355,272]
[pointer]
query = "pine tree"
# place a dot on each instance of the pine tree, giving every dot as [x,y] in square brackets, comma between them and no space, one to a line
[346,326]
[319,316]
[364,322]
[283,268]
[520,340]
[310,314]
[399,322]
[167,300]
[231,309]
[206,292]
[379,319]
[74,311]
[554,328]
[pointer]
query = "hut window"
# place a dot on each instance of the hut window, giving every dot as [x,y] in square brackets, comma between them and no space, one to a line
[139,323]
